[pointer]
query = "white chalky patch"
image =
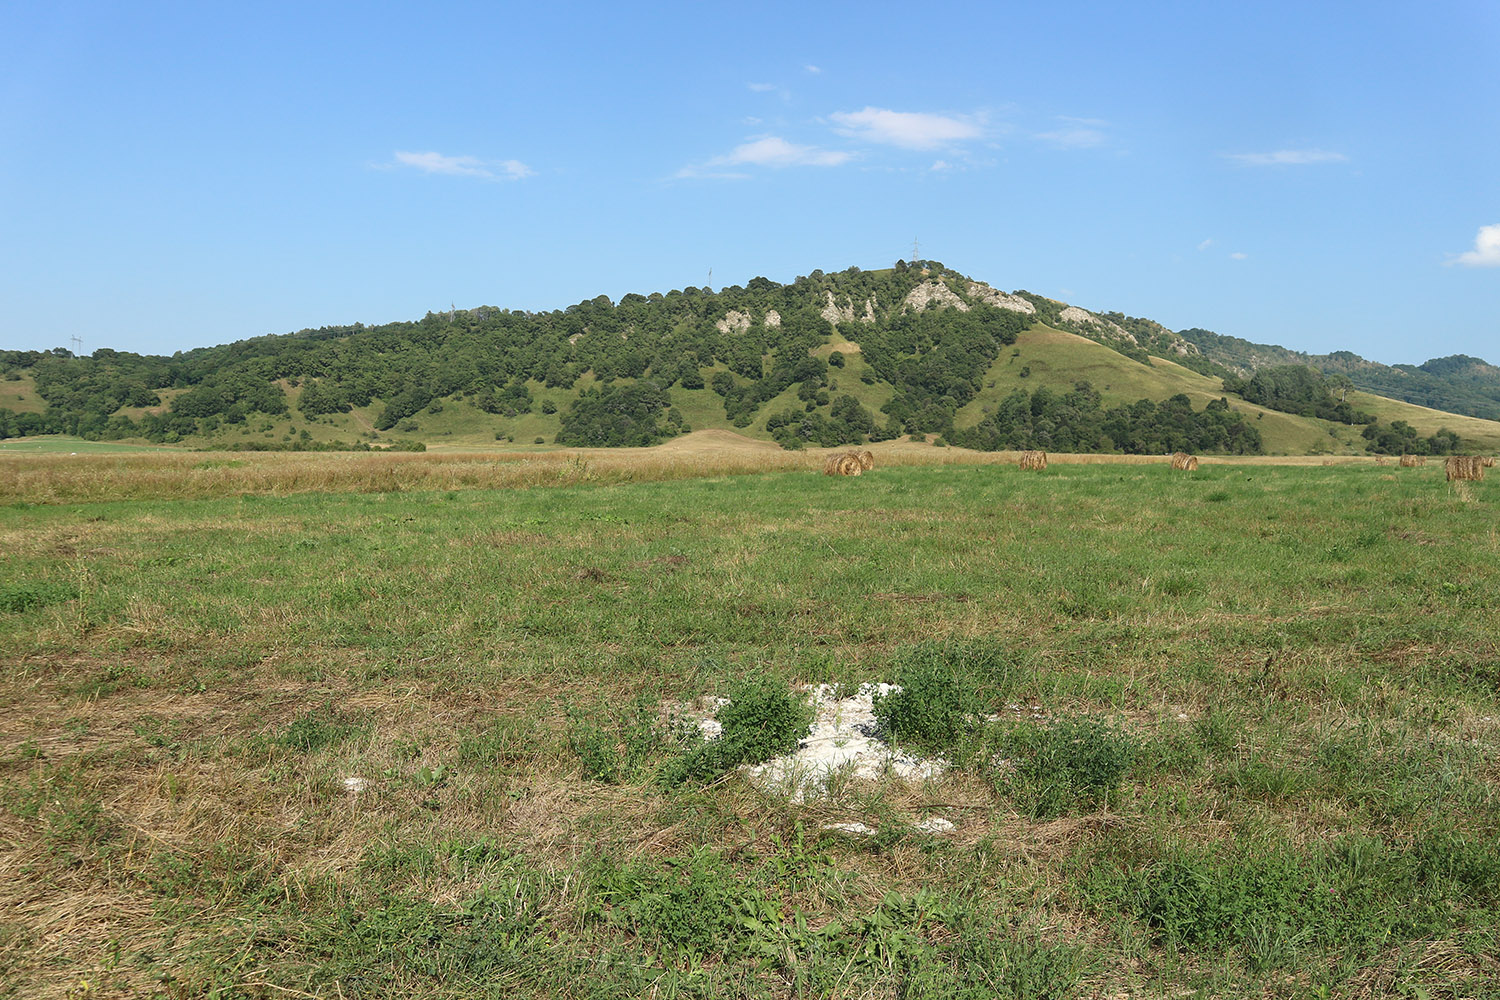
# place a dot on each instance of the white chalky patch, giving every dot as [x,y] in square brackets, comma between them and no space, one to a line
[857,829]
[935,825]
[844,740]
[355,785]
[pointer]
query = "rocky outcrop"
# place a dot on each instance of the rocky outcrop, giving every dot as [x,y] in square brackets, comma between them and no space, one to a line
[772,320]
[733,322]
[930,293]
[981,292]
[835,313]
[1083,318]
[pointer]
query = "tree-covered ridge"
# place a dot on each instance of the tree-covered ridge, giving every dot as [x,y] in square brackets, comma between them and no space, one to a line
[920,339]
[1457,384]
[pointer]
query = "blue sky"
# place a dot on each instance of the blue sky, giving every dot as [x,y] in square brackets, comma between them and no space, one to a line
[1323,176]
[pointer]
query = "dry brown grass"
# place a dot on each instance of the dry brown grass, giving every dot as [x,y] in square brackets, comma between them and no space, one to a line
[166,475]
[1488,461]
[1464,467]
[1033,461]
[1184,462]
[1412,461]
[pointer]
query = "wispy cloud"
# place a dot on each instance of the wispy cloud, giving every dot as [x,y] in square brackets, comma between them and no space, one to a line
[1486,252]
[907,129]
[767,151]
[463,166]
[761,88]
[1287,158]
[1239,256]
[1205,244]
[1076,133]
[815,70]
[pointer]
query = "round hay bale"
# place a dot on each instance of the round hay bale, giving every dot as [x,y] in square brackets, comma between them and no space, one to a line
[1033,461]
[1464,467]
[866,459]
[831,465]
[1185,462]
[1487,461]
[849,465]
[1411,461]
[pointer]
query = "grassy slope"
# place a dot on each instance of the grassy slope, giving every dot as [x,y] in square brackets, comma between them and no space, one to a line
[1057,359]
[1301,659]
[21,396]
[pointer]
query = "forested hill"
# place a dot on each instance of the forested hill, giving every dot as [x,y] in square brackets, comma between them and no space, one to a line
[828,359]
[1458,384]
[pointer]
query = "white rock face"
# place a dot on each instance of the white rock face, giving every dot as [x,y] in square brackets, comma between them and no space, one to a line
[734,322]
[772,320]
[836,314]
[933,293]
[1000,300]
[1082,317]
[843,741]
[935,825]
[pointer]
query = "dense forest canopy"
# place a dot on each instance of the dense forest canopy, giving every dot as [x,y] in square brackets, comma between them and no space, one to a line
[767,352]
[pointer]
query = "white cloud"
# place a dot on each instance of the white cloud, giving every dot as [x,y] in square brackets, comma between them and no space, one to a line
[463,166]
[1239,256]
[908,129]
[767,151]
[761,88]
[813,69]
[1287,158]
[1205,245]
[1486,252]
[774,151]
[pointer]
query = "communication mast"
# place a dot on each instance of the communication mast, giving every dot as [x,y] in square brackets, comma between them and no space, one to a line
[77,343]
[916,250]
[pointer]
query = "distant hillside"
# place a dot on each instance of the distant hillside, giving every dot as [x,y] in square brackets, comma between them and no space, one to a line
[1458,384]
[914,350]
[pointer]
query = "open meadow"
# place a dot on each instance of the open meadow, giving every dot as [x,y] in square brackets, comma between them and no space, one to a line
[426,726]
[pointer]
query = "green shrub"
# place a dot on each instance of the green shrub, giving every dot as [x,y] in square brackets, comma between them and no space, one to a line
[762,720]
[940,703]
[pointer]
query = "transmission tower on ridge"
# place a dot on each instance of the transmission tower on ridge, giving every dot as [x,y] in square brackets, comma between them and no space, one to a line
[916,250]
[77,343]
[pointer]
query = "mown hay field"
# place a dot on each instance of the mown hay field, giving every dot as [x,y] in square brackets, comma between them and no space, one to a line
[1221,732]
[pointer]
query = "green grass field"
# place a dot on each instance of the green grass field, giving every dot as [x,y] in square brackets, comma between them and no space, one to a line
[1220,733]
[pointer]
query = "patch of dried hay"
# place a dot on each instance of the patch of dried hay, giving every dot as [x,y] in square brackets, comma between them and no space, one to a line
[1487,461]
[1033,461]
[1411,461]
[1464,467]
[1183,461]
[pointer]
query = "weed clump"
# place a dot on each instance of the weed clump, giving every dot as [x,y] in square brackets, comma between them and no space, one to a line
[939,706]
[1070,763]
[27,596]
[616,752]
[318,729]
[763,719]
